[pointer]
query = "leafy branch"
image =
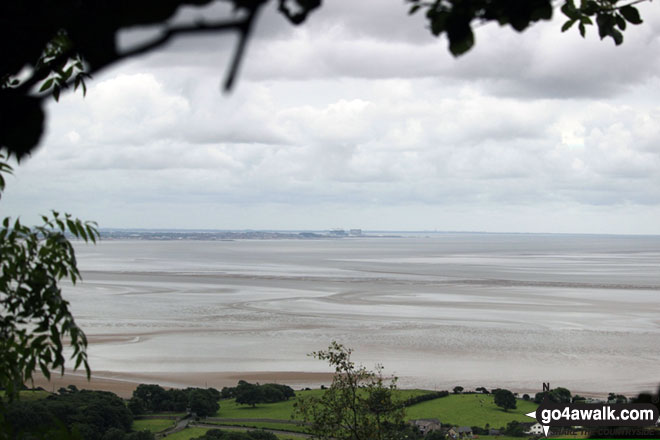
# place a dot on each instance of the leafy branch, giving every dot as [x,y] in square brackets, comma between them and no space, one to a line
[35,320]
[611,18]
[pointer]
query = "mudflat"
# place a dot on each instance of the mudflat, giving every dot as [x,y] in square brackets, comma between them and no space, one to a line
[494,310]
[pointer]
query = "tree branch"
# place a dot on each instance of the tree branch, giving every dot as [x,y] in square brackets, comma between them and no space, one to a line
[246,30]
[243,25]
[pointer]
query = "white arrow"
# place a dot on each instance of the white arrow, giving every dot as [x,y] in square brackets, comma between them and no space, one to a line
[546,428]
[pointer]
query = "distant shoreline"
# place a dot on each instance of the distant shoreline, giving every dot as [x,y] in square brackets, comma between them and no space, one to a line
[123,383]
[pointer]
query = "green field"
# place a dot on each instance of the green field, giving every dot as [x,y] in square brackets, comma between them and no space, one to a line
[153,425]
[187,434]
[457,409]
[283,410]
[263,425]
[470,410]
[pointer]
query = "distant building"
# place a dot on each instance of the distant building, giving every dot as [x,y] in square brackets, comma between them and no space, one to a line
[355,232]
[427,425]
[338,233]
[532,428]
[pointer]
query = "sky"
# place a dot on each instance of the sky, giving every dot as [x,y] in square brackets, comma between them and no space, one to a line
[360,118]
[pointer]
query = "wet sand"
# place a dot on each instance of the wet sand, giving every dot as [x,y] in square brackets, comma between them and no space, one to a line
[513,312]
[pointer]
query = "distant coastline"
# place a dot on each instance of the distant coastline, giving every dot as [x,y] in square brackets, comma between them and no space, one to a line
[302,234]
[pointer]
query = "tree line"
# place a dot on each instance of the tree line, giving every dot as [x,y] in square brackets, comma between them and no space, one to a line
[154,398]
[72,414]
[247,393]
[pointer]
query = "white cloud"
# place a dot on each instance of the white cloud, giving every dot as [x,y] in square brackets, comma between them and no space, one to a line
[351,116]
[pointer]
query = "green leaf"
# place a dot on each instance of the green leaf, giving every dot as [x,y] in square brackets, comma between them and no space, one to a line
[605,25]
[568,9]
[413,9]
[567,25]
[56,93]
[438,21]
[631,14]
[461,38]
[39,340]
[46,85]
[620,22]
[590,7]
[44,370]
[67,73]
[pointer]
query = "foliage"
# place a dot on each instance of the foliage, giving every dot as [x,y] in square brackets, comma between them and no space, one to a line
[202,402]
[611,18]
[435,435]
[358,405]
[505,399]
[69,41]
[556,395]
[455,18]
[458,389]
[251,394]
[648,398]
[624,431]
[617,398]
[154,398]
[424,398]
[514,429]
[218,434]
[95,415]
[35,317]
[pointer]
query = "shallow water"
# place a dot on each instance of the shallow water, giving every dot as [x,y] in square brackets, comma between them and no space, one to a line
[508,310]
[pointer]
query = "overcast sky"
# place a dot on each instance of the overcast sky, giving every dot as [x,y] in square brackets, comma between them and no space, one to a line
[361,119]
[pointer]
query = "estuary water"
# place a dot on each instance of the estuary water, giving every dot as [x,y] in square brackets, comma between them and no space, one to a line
[437,310]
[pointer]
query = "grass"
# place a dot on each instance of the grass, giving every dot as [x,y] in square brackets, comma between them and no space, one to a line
[169,414]
[152,425]
[458,409]
[470,410]
[280,410]
[263,425]
[283,410]
[187,434]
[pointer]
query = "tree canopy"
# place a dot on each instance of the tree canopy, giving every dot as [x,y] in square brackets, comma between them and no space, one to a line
[359,405]
[154,398]
[47,47]
[89,415]
[505,399]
